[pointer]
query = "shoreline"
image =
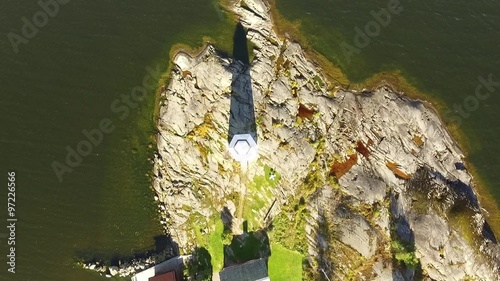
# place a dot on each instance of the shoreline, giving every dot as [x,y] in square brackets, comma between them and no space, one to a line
[393,80]
[167,74]
[399,84]
[195,178]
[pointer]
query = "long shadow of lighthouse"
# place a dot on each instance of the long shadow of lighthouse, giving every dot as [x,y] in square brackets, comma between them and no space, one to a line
[242,114]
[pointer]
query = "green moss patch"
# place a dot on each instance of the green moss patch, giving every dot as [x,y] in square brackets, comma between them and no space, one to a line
[213,242]
[288,227]
[259,197]
[404,254]
[284,264]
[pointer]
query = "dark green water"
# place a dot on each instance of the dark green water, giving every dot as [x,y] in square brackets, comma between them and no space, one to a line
[440,46]
[63,81]
[92,52]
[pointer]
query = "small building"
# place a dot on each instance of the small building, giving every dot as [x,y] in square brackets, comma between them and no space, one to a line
[169,276]
[243,148]
[254,270]
[170,270]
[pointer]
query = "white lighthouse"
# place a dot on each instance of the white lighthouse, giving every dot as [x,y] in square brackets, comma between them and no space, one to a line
[243,149]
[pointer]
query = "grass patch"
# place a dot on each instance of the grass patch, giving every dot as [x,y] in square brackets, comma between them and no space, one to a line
[268,171]
[284,264]
[246,247]
[253,205]
[288,227]
[216,247]
[404,254]
[259,196]
[212,241]
[318,81]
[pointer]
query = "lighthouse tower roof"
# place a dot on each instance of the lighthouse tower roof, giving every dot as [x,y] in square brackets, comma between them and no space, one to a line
[243,148]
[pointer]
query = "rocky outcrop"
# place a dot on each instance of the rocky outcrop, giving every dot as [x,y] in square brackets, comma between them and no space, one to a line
[125,268]
[378,170]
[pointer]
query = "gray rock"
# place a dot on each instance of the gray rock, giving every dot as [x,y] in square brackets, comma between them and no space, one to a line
[359,183]
[356,232]
[196,177]
[113,270]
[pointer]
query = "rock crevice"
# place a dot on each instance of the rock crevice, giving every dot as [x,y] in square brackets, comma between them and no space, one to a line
[368,150]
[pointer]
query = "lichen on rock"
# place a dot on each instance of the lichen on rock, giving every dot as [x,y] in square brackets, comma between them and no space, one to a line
[378,171]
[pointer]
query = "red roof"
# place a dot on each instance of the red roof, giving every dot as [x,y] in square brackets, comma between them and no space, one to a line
[169,276]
